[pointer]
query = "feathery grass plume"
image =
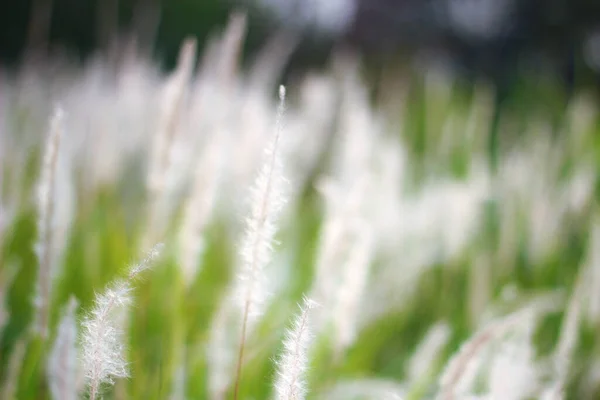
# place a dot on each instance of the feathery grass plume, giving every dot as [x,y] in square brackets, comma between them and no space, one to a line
[220,349]
[231,44]
[514,362]
[63,362]
[161,176]
[172,103]
[352,287]
[569,333]
[257,246]
[332,236]
[290,383]
[344,206]
[198,208]
[217,75]
[102,346]
[470,352]
[428,351]
[46,209]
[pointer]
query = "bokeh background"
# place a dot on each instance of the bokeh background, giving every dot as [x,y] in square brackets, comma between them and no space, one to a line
[444,162]
[476,34]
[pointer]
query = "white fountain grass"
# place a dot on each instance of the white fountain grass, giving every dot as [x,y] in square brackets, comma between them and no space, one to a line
[514,362]
[46,209]
[102,341]
[63,362]
[352,287]
[257,246]
[415,225]
[198,209]
[428,352]
[220,349]
[569,334]
[343,237]
[292,365]
[163,169]
[464,365]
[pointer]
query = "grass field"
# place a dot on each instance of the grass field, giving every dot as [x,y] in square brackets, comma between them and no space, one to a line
[352,247]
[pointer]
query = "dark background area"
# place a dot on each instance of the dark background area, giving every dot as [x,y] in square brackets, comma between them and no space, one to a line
[75,25]
[550,33]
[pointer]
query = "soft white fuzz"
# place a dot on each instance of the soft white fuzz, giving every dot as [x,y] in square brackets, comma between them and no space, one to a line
[290,384]
[102,342]
[63,364]
[460,367]
[45,209]
[257,247]
[198,209]
[221,349]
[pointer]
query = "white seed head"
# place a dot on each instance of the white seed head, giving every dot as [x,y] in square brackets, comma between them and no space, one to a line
[102,337]
[63,362]
[267,197]
[290,384]
[45,217]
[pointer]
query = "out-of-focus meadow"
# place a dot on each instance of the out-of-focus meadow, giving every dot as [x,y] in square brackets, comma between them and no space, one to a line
[394,237]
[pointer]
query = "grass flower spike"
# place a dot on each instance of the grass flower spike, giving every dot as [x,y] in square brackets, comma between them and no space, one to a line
[102,343]
[261,226]
[46,190]
[63,364]
[290,383]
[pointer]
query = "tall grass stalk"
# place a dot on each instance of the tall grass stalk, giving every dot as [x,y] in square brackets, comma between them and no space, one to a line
[102,343]
[352,288]
[160,175]
[267,201]
[456,370]
[46,209]
[63,361]
[410,209]
[198,209]
[569,334]
[290,383]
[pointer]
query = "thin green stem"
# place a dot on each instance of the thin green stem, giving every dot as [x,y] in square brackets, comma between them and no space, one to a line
[238,373]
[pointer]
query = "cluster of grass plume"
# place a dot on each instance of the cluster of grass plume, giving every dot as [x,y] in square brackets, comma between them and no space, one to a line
[421,272]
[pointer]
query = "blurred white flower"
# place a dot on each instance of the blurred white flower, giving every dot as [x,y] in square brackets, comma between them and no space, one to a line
[102,334]
[63,362]
[290,383]
[513,363]
[267,200]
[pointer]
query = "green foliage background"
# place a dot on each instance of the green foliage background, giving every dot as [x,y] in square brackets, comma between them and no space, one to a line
[170,324]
